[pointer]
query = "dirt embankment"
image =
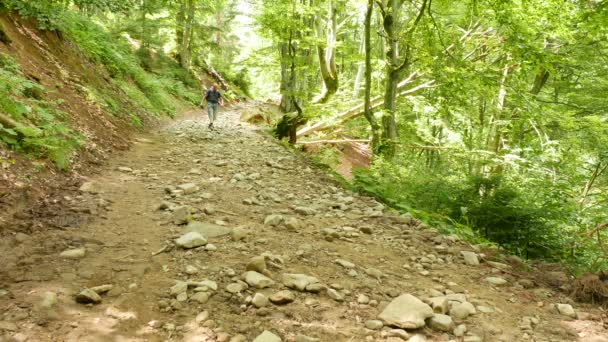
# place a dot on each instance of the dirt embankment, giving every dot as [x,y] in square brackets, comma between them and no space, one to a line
[27,186]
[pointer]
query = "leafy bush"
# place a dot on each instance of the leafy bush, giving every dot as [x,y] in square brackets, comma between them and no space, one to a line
[501,209]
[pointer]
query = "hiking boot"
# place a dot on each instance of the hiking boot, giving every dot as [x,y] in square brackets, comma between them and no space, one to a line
[211,125]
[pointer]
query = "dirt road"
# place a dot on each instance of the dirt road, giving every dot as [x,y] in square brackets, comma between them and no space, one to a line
[322,263]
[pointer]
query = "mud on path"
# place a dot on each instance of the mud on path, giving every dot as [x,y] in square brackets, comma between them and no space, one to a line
[253,197]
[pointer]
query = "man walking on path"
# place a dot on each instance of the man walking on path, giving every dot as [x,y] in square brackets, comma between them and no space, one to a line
[214,98]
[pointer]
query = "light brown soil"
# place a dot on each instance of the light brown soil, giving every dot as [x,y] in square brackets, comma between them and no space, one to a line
[121,228]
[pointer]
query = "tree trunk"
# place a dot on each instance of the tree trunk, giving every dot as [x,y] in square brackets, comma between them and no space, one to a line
[327,55]
[388,136]
[186,48]
[369,115]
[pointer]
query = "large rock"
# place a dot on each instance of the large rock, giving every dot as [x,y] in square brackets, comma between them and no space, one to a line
[257,280]
[208,230]
[298,281]
[470,258]
[191,240]
[566,310]
[267,336]
[283,297]
[462,310]
[88,296]
[407,312]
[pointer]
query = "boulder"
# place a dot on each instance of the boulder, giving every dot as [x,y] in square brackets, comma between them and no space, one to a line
[407,312]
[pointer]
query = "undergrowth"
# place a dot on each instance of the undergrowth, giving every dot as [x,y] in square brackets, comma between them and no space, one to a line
[29,123]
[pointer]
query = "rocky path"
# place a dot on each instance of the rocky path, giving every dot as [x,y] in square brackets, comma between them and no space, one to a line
[225,235]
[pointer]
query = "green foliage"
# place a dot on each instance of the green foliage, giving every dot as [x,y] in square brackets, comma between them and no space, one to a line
[39,128]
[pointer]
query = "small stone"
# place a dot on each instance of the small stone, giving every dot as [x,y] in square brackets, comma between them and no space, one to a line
[496,281]
[188,188]
[298,281]
[201,317]
[315,288]
[258,264]
[238,338]
[283,297]
[335,295]
[210,247]
[267,336]
[49,299]
[470,258]
[292,223]
[440,305]
[182,297]
[441,322]
[366,230]
[88,296]
[181,215]
[566,310]
[200,297]
[239,234]
[362,299]
[77,253]
[191,270]
[236,287]
[273,220]
[101,289]
[180,287]
[191,240]
[460,330]
[257,280]
[259,300]
[374,324]
[345,263]
[304,338]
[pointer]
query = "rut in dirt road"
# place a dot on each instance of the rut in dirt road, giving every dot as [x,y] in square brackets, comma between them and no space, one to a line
[225,235]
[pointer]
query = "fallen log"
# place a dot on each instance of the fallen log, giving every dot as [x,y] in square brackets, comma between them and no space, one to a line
[343,141]
[355,112]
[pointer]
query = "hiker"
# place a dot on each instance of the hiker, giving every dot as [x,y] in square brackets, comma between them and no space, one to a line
[214,98]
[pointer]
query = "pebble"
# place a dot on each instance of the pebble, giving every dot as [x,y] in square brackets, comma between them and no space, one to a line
[460,330]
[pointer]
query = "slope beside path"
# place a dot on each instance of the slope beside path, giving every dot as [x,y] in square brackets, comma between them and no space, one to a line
[199,235]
